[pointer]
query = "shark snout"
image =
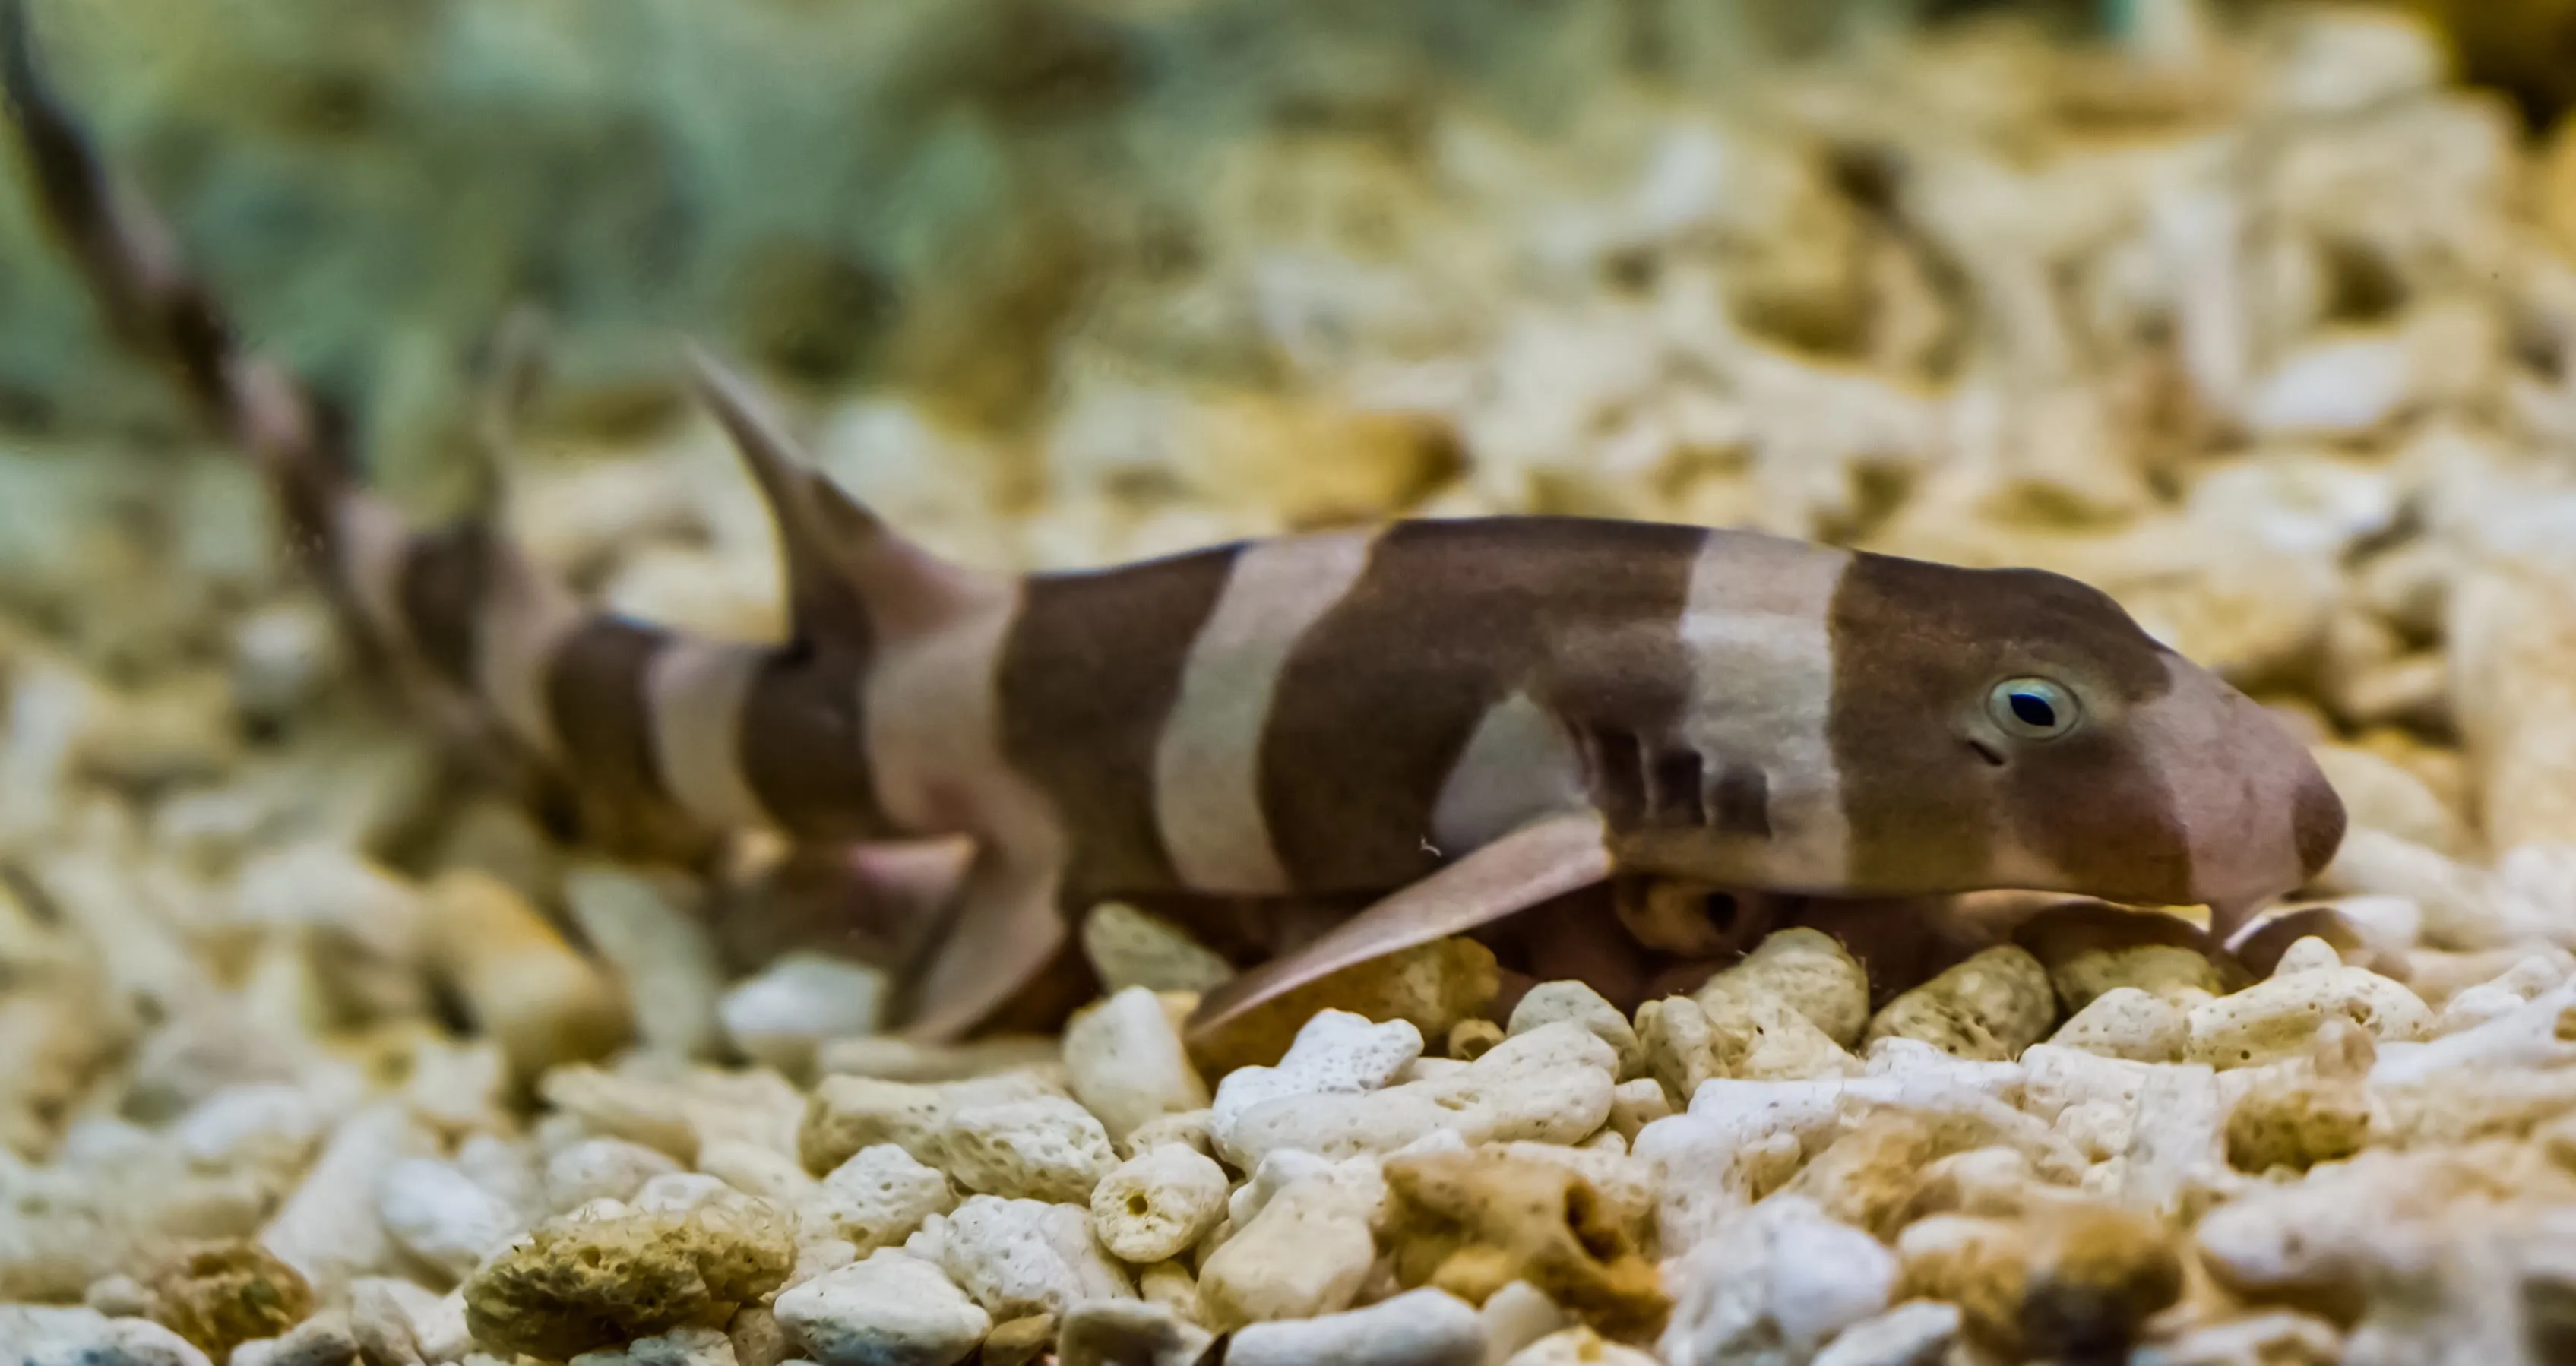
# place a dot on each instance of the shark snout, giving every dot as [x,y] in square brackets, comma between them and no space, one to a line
[2258,817]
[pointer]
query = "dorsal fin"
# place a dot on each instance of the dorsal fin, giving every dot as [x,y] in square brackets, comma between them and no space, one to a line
[505,383]
[849,575]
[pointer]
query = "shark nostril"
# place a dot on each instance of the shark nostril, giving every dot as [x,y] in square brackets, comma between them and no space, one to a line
[1986,752]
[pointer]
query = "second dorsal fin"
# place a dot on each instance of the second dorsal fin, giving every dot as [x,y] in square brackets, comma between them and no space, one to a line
[849,575]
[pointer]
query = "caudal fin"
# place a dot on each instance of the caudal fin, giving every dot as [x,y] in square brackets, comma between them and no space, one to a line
[495,643]
[656,741]
[132,264]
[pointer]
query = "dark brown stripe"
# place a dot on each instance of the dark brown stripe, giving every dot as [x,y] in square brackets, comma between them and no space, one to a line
[1615,775]
[1088,676]
[804,743]
[1916,646]
[1676,789]
[444,575]
[1451,617]
[1741,803]
[595,690]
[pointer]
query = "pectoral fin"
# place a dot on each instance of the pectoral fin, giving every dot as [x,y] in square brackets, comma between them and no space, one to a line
[1539,861]
[1007,931]
[2259,941]
[2227,919]
[880,902]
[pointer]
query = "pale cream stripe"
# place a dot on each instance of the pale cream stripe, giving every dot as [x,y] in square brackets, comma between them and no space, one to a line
[1759,635]
[934,741]
[1207,764]
[695,694]
[523,615]
[372,546]
[932,705]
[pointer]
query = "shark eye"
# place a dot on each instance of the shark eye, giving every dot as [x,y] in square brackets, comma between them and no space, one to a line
[2033,708]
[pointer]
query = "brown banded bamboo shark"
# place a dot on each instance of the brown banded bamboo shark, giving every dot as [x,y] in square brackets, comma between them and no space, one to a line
[1446,722]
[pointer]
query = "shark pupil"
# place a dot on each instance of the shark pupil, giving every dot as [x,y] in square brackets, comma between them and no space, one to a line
[2034,710]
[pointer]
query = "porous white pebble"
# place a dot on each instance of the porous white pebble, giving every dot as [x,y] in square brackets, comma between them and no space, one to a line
[1826,1276]
[2177,1141]
[1807,971]
[1740,1139]
[1303,1241]
[326,1339]
[2539,1034]
[42,1336]
[2309,954]
[1020,1257]
[679,1192]
[272,1123]
[1335,1053]
[1174,1285]
[2126,1022]
[1737,1140]
[460,1088]
[1550,1002]
[361,925]
[679,1347]
[282,655]
[1417,1328]
[601,1169]
[1916,1333]
[785,1013]
[1159,1203]
[390,1307]
[847,1113]
[381,1324]
[2055,1077]
[2258,1339]
[2275,1018]
[442,1216]
[756,1169]
[816,1256]
[889,1310]
[328,1229]
[1189,1129]
[756,1337]
[1550,1085]
[1779,1273]
[1125,1063]
[1516,1316]
[1132,949]
[1042,1148]
[1277,1172]
[877,1198]
[1636,1103]
[2497,997]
